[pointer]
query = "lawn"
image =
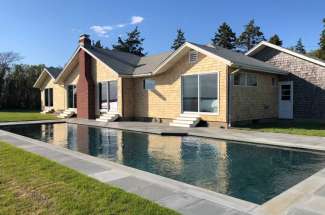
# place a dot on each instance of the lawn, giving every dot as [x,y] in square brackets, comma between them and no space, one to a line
[13,116]
[298,127]
[30,184]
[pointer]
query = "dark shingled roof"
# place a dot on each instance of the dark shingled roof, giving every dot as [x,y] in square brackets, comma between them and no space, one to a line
[240,59]
[128,64]
[54,71]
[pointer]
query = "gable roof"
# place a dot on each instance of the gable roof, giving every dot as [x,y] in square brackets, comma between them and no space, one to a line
[52,72]
[264,44]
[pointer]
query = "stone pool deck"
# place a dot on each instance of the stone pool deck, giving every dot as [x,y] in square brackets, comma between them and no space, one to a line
[307,197]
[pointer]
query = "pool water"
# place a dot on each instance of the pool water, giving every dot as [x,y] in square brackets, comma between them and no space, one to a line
[246,171]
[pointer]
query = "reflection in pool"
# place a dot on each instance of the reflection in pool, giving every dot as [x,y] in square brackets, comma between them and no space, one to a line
[246,171]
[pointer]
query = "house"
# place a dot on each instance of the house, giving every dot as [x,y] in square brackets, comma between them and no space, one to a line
[305,82]
[195,82]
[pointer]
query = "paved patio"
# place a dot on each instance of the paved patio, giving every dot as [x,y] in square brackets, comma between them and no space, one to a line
[306,198]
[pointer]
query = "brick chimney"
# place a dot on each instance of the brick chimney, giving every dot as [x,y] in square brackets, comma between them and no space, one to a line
[85,85]
[84,41]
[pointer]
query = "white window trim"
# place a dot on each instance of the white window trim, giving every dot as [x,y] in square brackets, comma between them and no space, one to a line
[190,54]
[199,112]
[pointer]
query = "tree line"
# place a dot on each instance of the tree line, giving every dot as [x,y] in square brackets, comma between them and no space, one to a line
[16,83]
[224,37]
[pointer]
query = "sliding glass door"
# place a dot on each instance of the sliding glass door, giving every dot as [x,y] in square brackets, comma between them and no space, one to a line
[48,97]
[200,93]
[72,96]
[108,96]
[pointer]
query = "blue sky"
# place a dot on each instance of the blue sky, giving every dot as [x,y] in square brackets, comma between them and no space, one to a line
[47,31]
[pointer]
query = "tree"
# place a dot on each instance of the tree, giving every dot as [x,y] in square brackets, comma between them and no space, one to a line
[322,38]
[132,44]
[251,36]
[6,60]
[180,39]
[299,47]
[224,37]
[275,39]
[97,44]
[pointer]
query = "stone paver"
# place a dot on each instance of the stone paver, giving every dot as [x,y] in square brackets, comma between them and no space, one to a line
[110,175]
[15,141]
[204,207]
[130,183]
[178,200]
[84,166]
[299,211]
[154,192]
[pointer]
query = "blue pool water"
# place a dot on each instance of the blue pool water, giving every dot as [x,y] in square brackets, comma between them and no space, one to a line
[246,171]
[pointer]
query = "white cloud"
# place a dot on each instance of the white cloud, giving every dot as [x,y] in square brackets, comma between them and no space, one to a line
[101,30]
[136,20]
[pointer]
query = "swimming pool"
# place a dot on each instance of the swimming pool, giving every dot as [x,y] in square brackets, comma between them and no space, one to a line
[250,172]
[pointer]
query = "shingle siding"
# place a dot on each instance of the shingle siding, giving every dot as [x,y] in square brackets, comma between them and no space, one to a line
[308,79]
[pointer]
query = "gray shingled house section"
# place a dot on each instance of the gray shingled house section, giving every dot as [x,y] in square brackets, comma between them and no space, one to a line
[54,72]
[308,79]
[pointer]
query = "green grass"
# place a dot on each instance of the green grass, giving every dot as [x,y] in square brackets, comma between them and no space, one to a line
[298,127]
[30,184]
[14,116]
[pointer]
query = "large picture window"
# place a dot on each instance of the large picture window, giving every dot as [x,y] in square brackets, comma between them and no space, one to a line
[72,96]
[48,94]
[200,93]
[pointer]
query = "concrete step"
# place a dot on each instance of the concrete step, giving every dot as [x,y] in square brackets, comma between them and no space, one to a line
[187,118]
[182,122]
[180,125]
[101,120]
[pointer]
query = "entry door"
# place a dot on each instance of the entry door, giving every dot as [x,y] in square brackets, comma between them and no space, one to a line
[286,100]
[112,96]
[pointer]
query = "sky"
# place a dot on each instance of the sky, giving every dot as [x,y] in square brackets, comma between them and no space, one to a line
[47,31]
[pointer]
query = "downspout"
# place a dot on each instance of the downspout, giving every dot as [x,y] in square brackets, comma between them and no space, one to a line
[230,84]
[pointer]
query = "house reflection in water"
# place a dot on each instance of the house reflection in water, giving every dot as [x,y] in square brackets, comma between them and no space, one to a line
[186,159]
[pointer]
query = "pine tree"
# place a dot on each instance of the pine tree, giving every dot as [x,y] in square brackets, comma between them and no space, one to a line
[322,38]
[251,36]
[180,39]
[224,37]
[132,44]
[97,44]
[299,47]
[275,39]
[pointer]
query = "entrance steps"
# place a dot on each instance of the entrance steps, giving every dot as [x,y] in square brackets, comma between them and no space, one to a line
[67,114]
[47,110]
[186,120]
[108,117]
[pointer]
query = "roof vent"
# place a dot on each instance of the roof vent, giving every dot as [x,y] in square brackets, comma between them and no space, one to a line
[192,56]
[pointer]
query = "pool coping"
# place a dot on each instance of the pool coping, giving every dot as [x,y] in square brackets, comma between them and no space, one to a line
[306,197]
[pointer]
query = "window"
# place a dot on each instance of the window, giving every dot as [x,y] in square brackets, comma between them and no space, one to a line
[193,56]
[240,79]
[200,93]
[72,96]
[286,92]
[48,94]
[251,79]
[149,84]
[107,95]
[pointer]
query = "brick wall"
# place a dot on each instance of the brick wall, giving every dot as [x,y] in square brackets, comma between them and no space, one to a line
[85,88]
[308,80]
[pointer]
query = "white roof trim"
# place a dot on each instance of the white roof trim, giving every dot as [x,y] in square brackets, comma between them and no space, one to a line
[262,44]
[194,47]
[40,77]
[74,55]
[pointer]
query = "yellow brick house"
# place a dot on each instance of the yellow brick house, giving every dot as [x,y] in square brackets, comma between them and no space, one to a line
[194,83]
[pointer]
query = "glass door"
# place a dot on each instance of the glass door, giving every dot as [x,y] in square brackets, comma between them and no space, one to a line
[103,96]
[108,96]
[72,96]
[190,93]
[113,96]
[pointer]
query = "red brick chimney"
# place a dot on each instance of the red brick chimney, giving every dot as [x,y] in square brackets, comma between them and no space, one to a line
[85,85]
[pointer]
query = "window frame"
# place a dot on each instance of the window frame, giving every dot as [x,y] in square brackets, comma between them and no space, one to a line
[245,80]
[48,97]
[250,73]
[218,93]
